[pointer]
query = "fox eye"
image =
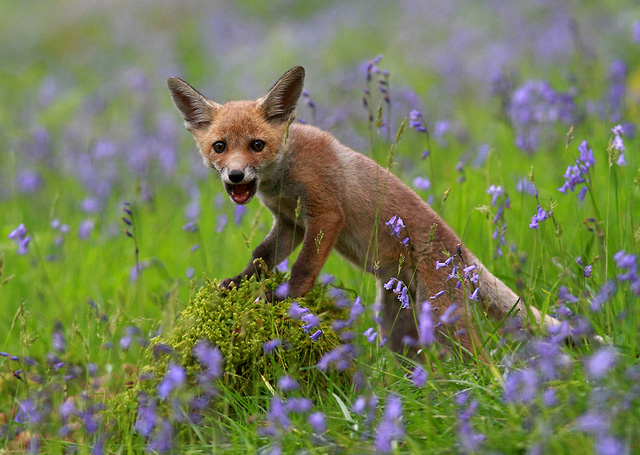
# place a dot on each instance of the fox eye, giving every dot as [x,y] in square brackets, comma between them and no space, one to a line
[219,147]
[257,145]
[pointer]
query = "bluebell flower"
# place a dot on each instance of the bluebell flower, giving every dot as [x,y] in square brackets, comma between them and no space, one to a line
[210,357]
[448,317]
[278,414]
[565,296]
[577,173]
[415,121]
[601,363]
[495,192]
[419,376]
[607,291]
[396,224]
[296,311]
[286,383]
[390,427]
[146,419]
[271,345]
[222,222]
[426,335]
[297,405]
[310,320]
[318,421]
[540,216]
[422,183]
[370,334]
[173,378]
[282,291]
[19,235]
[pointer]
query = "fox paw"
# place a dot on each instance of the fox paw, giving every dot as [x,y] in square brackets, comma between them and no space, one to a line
[229,283]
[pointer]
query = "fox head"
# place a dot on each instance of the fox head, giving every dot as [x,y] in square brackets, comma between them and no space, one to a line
[240,139]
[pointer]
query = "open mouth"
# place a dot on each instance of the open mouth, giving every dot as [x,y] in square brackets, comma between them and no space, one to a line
[241,193]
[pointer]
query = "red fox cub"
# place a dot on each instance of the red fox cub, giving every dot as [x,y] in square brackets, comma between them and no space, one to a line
[324,195]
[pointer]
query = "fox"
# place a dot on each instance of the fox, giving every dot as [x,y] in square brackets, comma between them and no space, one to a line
[326,196]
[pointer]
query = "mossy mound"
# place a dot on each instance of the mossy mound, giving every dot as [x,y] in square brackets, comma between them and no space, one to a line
[239,323]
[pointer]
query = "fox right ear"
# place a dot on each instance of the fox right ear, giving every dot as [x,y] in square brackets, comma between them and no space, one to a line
[279,104]
[196,110]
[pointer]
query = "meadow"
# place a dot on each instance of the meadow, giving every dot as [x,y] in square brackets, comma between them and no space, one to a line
[518,124]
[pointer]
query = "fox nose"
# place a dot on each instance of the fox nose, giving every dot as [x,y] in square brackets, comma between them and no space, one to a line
[236,176]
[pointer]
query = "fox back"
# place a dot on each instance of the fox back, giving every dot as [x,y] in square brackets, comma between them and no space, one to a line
[325,195]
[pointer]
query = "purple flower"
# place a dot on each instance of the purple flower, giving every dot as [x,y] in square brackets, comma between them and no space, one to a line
[28,181]
[468,439]
[426,335]
[173,378]
[298,405]
[578,173]
[540,216]
[318,422]
[448,316]
[286,383]
[495,192]
[271,345]
[316,335]
[28,412]
[474,294]
[419,376]
[389,284]
[58,342]
[238,214]
[587,270]
[191,226]
[601,363]
[284,265]
[296,311]
[390,427]
[85,229]
[629,263]
[396,224]
[356,309]
[19,235]
[277,413]
[527,187]
[341,357]
[521,386]
[565,296]
[282,291]
[593,422]
[607,291]
[370,334]
[210,357]
[222,221]
[162,438]
[415,121]
[310,320]
[146,420]
[422,183]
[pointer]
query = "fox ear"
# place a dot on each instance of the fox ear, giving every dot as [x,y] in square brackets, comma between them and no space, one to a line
[196,110]
[279,104]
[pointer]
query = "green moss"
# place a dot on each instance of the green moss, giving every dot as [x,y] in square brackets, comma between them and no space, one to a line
[239,323]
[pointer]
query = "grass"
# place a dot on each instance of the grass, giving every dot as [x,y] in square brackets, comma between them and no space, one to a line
[535,394]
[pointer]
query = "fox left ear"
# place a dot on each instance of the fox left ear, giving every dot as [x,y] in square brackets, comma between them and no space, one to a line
[196,110]
[279,104]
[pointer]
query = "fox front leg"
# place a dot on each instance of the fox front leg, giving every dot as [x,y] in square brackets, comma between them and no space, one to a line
[321,232]
[281,240]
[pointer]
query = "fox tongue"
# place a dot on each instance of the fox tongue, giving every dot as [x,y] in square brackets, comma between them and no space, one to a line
[240,193]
